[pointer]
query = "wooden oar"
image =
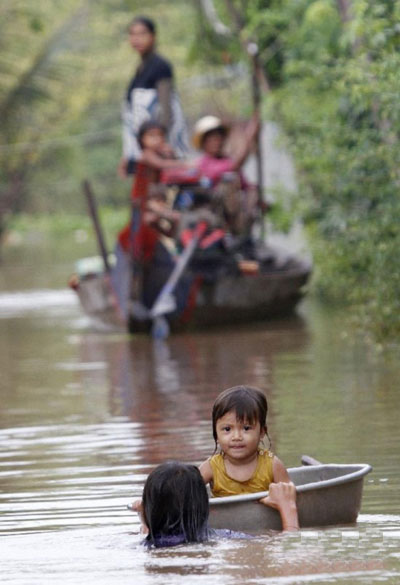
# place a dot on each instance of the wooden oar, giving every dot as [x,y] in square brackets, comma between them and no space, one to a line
[165,302]
[92,205]
[91,201]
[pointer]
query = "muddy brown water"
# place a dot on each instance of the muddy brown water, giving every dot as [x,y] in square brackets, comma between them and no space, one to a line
[86,415]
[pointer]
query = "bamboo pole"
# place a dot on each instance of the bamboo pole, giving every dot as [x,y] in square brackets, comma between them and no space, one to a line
[91,201]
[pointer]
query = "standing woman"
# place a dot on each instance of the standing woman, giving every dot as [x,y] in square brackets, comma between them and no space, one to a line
[150,96]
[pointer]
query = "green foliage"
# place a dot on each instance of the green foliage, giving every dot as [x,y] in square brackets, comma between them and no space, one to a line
[280,216]
[64,67]
[261,20]
[56,227]
[335,72]
[341,110]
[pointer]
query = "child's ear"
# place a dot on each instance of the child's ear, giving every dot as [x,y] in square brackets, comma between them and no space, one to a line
[263,432]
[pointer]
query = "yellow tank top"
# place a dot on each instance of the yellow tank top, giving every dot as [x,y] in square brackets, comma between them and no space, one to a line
[223,485]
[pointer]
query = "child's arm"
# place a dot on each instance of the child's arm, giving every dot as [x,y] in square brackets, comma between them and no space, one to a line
[282,497]
[156,211]
[247,143]
[156,161]
[137,506]
[279,471]
[206,472]
[122,169]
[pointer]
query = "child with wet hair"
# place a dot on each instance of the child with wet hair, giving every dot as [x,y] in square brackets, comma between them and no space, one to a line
[174,508]
[175,505]
[243,464]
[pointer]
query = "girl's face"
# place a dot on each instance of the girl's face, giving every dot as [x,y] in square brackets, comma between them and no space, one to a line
[213,142]
[140,38]
[238,440]
[153,139]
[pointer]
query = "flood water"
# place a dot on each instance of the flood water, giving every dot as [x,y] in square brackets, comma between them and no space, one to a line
[86,415]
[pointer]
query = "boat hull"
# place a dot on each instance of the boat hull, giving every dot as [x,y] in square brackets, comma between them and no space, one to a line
[327,495]
[229,299]
[98,302]
[248,298]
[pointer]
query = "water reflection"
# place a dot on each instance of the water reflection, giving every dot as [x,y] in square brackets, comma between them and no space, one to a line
[169,387]
[205,362]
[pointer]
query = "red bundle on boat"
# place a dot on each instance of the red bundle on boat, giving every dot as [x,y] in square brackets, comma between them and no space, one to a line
[180,176]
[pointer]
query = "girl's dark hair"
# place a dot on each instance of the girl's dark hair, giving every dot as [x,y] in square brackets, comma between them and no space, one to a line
[175,504]
[149,125]
[249,404]
[147,22]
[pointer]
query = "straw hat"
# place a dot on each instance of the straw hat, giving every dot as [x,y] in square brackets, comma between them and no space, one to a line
[204,125]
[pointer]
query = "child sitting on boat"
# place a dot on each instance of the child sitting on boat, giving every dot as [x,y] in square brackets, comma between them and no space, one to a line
[243,464]
[210,137]
[236,198]
[174,509]
[156,156]
[230,198]
[138,240]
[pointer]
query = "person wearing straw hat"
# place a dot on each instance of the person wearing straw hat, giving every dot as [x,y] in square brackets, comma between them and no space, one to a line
[234,196]
[209,136]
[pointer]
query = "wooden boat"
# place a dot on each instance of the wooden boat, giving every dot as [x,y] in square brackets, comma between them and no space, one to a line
[237,295]
[252,283]
[326,495]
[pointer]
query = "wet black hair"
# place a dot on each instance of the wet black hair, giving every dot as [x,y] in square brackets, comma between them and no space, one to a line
[147,22]
[149,125]
[175,504]
[249,403]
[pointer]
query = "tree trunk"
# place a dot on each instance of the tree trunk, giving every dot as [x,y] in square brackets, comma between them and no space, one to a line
[344,7]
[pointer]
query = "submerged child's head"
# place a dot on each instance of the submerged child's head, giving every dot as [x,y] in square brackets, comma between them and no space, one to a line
[151,135]
[175,505]
[248,403]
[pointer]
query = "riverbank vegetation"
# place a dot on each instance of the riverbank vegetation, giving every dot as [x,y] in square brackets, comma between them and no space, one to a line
[339,105]
[333,67]
[333,73]
[64,67]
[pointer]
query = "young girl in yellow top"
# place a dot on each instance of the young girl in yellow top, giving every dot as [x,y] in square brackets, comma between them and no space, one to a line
[243,464]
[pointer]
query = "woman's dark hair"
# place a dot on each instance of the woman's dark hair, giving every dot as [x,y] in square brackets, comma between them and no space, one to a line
[249,404]
[175,505]
[149,125]
[147,22]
